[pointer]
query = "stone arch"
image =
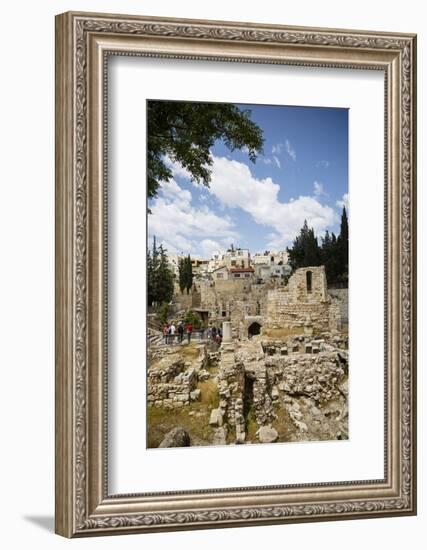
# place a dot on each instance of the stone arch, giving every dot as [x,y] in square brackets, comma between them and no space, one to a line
[254,329]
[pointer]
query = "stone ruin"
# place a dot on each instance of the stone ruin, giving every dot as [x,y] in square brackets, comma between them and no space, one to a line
[294,364]
[303,375]
[171,385]
[303,304]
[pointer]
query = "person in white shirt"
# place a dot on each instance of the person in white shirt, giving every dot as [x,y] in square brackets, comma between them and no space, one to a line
[172,332]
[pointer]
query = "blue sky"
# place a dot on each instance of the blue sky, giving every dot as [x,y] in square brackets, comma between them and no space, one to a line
[303,174]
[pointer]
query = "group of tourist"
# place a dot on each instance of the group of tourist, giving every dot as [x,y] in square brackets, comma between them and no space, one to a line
[214,334]
[172,333]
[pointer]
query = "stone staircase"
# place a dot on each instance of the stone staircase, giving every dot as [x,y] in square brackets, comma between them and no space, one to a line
[154,337]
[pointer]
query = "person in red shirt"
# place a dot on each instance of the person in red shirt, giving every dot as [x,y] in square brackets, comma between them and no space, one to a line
[166,333]
[189,332]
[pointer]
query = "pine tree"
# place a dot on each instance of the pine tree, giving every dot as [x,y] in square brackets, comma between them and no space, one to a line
[159,276]
[305,250]
[329,257]
[342,248]
[333,253]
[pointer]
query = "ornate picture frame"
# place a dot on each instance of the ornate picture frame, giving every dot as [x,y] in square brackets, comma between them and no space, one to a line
[84,42]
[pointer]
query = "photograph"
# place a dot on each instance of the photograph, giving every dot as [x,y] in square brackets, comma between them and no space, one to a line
[235,265]
[247,258]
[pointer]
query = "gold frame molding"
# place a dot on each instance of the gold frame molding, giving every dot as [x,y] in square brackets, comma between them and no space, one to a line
[83,43]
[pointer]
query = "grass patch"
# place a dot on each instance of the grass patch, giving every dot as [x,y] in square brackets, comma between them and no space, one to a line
[251,425]
[160,421]
[283,424]
[210,394]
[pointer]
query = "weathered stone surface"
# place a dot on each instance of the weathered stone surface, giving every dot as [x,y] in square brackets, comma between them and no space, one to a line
[177,437]
[296,306]
[267,435]
[226,331]
[203,374]
[220,436]
[195,394]
[215,418]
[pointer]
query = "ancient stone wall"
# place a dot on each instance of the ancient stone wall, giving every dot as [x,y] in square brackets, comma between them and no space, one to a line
[303,305]
[306,376]
[308,285]
[185,301]
[231,287]
[340,295]
[317,377]
[231,381]
[298,317]
[170,385]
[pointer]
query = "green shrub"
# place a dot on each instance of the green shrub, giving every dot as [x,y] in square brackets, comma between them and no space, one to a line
[163,313]
[193,318]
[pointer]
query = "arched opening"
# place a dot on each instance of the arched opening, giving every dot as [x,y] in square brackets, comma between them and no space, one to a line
[309,276]
[254,329]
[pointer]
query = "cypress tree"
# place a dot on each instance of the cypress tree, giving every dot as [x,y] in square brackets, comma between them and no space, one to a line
[159,276]
[188,274]
[181,274]
[342,248]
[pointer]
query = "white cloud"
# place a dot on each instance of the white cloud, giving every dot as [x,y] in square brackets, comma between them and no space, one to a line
[277,149]
[343,202]
[266,160]
[290,150]
[209,246]
[318,189]
[323,164]
[234,186]
[180,226]
[199,230]
[178,171]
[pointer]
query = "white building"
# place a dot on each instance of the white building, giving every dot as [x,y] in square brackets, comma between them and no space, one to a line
[221,273]
[241,272]
[270,258]
[216,261]
[237,257]
[270,264]
[200,266]
[268,271]
[173,260]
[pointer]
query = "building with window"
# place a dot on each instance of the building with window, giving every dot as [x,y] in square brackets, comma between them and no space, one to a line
[237,258]
[270,258]
[221,274]
[241,272]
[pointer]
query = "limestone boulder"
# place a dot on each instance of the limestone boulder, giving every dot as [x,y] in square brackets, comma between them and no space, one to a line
[177,437]
[220,436]
[267,435]
[215,418]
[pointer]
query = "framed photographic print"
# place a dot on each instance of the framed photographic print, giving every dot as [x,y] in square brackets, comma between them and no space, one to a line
[235,274]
